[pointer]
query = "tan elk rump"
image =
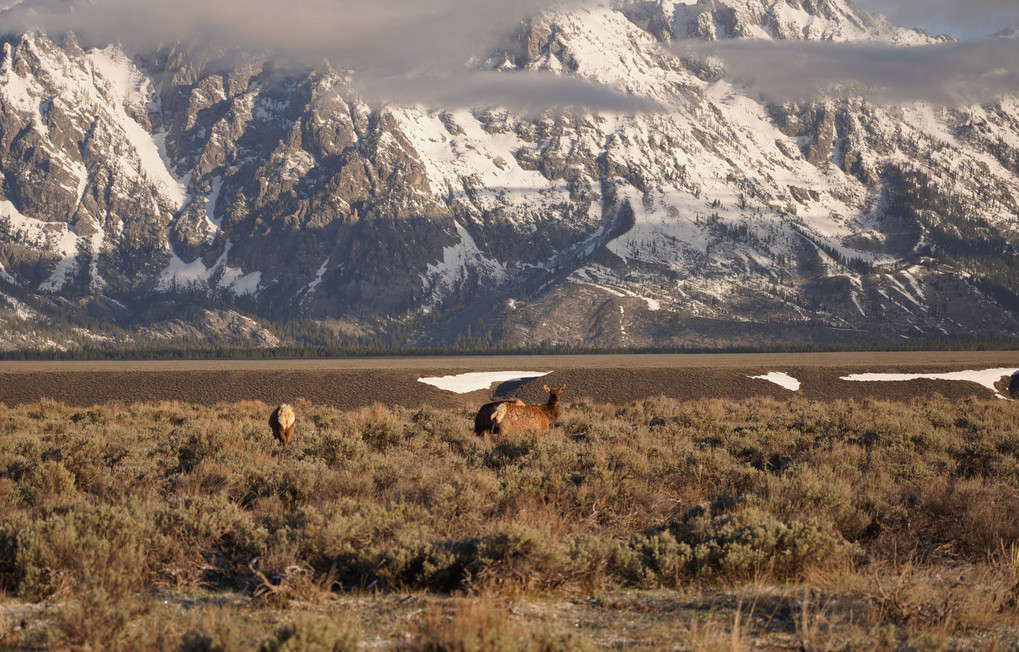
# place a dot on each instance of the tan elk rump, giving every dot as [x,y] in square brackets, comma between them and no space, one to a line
[502,417]
[282,421]
[484,423]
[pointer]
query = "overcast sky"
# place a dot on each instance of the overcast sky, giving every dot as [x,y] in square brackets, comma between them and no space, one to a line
[959,18]
[415,51]
[977,68]
[946,74]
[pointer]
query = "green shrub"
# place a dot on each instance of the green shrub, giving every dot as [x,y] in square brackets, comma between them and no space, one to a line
[48,483]
[379,427]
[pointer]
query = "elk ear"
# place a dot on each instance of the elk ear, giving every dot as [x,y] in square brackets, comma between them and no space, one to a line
[547,389]
[563,387]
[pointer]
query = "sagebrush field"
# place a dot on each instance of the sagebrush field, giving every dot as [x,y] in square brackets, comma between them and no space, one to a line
[658,524]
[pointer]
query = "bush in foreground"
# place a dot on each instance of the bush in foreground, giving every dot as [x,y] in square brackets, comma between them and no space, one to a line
[105,508]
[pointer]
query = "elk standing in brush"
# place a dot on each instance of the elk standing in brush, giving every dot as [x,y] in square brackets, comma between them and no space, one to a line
[508,416]
[484,423]
[282,421]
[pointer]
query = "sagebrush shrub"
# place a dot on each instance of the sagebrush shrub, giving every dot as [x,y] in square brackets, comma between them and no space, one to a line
[120,500]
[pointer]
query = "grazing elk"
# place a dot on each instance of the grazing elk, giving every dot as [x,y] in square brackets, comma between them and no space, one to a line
[508,416]
[282,422]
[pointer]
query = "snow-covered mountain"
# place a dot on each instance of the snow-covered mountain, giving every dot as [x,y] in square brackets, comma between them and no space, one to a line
[187,195]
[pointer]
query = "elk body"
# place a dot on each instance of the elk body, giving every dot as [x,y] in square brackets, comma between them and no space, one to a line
[282,422]
[507,416]
[484,423]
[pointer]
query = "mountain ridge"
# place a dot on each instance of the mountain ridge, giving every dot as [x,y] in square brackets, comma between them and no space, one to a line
[715,218]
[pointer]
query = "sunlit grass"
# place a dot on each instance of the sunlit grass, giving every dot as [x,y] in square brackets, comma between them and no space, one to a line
[659,523]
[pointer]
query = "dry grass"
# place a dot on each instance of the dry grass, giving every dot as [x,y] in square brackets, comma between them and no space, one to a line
[698,525]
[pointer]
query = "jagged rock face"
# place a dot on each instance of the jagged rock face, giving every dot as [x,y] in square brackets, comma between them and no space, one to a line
[713,218]
[788,20]
[72,182]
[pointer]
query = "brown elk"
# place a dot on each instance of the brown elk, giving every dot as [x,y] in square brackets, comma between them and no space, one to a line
[507,416]
[484,424]
[282,421]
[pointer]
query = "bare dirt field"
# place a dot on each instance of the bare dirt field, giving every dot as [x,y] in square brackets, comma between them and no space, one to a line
[349,383]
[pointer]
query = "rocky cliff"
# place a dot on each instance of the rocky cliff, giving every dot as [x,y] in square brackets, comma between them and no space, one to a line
[188,195]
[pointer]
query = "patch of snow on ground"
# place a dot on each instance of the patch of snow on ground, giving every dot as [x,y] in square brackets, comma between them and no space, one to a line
[782,379]
[985,377]
[469,382]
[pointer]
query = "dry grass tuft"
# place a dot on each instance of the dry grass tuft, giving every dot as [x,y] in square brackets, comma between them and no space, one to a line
[794,523]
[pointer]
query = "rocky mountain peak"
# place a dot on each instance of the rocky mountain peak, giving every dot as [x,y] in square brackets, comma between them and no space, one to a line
[188,185]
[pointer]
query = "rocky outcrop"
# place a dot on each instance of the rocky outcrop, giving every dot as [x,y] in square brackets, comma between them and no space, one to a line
[268,192]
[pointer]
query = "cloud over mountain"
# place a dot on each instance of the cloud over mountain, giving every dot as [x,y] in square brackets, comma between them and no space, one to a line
[972,18]
[399,49]
[418,52]
[944,73]
[380,35]
[139,178]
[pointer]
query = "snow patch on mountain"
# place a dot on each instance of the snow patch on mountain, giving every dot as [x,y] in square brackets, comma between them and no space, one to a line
[458,261]
[235,280]
[833,20]
[180,275]
[55,238]
[127,87]
[213,223]
[603,46]
[22,92]
[466,162]
[317,281]
[588,276]
[19,309]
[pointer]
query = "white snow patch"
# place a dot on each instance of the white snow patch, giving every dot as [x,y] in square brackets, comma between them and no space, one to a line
[652,304]
[48,236]
[855,294]
[97,283]
[180,275]
[782,379]
[126,81]
[469,382]
[984,377]
[486,161]
[318,276]
[21,311]
[210,207]
[238,282]
[6,276]
[458,259]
